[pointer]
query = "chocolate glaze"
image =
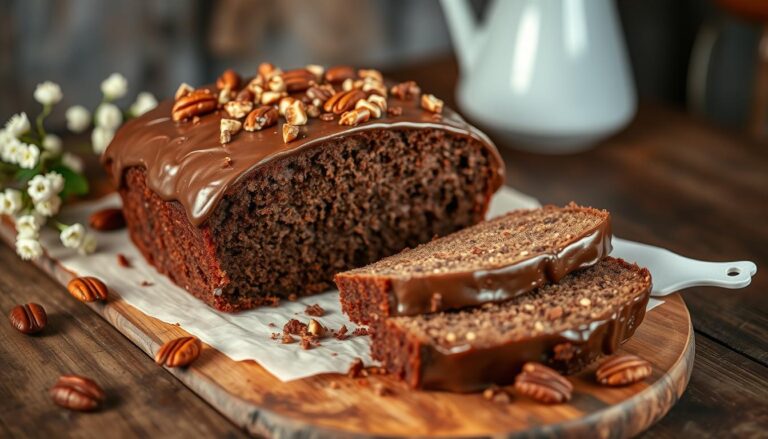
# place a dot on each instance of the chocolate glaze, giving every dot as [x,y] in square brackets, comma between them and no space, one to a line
[467,368]
[430,293]
[185,162]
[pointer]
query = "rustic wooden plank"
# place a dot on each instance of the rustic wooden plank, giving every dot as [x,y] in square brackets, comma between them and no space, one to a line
[143,399]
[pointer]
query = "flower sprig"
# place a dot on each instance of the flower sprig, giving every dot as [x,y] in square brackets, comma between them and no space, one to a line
[37,175]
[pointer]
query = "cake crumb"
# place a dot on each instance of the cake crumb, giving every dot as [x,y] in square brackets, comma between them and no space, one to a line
[287,339]
[341,334]
[292,297]
[146,283]
[360,331]
[314,310]
[295,327]
[123,261]
[355,368]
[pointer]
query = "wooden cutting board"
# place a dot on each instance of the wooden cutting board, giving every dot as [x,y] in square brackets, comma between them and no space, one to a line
[334,405]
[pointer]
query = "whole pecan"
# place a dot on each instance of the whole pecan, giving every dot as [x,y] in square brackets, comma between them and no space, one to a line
[28,319]
[87,289]
[196,103]
[543,384]
[320,93]
[245,95]
[405,90]
[228,80]
[355,117]
[178,352]
[623,370]
[297,80]
[107,219]
[343,101]
[339,74]
[260,118]
[75,392]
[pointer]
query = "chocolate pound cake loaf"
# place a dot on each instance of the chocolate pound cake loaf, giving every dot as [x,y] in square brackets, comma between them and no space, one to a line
[258,189]
[566,325]
[489,262]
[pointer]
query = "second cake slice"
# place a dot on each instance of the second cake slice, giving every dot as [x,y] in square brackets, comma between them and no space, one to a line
[490,262]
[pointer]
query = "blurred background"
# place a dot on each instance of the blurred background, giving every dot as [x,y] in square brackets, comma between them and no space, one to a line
[158,44]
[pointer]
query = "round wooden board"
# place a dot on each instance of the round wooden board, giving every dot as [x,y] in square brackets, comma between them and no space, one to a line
[312,407]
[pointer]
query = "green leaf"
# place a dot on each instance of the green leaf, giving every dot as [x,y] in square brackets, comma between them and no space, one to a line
[24,175]
[74,183]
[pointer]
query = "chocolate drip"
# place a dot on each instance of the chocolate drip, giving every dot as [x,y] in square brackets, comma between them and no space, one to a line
[185,162]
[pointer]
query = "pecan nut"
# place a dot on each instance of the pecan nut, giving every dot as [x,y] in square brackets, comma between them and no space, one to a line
[431,103]
[196,103]
[405,90]
[290,132]
[623,370]
[343,101]
[238,109]
[260,118]
[339,74]
[543,384]
[228,128]
[296,113]
[229,80]
[107,219]
[87,289]
[319,94]
[178,352]
[79,393]
[355,117]
[28,319]
[268,70]
[297,80]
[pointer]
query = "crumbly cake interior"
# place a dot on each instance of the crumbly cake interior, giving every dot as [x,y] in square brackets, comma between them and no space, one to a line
[584,296]
[500,242]
[290,227]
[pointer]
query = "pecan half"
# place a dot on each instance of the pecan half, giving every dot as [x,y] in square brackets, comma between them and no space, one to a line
[405,90]
[371,74]
[107,219]
[196,103]
[431,103]
[290,132]
[267,70]
[178,352]
[343,101]
[28,319]
[319,94]
[297,80]
[623,370]
[76,392]
[355,117]
[228,80]
[260,118]
[372,108]
[543,384]
[338,74]
[87,289]
[183,90]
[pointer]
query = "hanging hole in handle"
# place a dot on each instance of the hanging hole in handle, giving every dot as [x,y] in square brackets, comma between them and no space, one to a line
[733,272]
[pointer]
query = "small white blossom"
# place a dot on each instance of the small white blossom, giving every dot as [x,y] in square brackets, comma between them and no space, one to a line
[100,138]
[39,188]
[73,162]
[48,93]
[28,226]
[17,125]
[88,245]
[145,101]
[52,144]
[73,236]
[108,116]
[10,202]
[29,249]
[56,180]
[78,119]
[114,87]
[28,156]
[49,207]
[11,150]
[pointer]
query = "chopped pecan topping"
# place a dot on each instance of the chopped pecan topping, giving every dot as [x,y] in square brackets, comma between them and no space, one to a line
[317,71]
[543,384]
[229,80]
[319,94]
[276,83]
[395,111]
[370,74]
[245,95]
[372,108]
[272,97]
[283,104]
[260,118]
[238,109]
[228,128]
[623,370]
[339,74]
[296,113]
[343,101]
[327,117]
[355,117]
[313,111]
[267,70]
[196,103]
[183,90]
[290,132]
[298,80]
[431,103]
[405,90]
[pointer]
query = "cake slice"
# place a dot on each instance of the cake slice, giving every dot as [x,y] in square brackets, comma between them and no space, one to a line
[565,325]
[490,262]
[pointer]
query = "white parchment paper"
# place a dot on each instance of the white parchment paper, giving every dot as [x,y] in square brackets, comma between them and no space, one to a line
[241,336]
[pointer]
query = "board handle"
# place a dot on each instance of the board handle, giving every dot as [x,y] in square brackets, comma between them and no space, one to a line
[672,272]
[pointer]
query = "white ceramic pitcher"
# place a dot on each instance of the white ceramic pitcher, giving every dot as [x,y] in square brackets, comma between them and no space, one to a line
[549,75]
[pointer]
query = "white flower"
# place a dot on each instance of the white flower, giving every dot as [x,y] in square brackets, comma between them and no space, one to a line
[17,125]
[49,207]
[78,119]
[29,249]
[72,236]
[28,156]
[114,87]
[52,144]
[28,226]
[100,138]
[73,162]
[39,188]
[10,202]
[88,245]
[56,180]
[145,101]
[48,93]
[11,149]
[108,116]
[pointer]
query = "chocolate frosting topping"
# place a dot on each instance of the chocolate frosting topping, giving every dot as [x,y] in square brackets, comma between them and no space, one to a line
[185,162]
[418,294]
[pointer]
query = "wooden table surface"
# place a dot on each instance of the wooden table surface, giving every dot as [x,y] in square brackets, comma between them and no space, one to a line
[668,180]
